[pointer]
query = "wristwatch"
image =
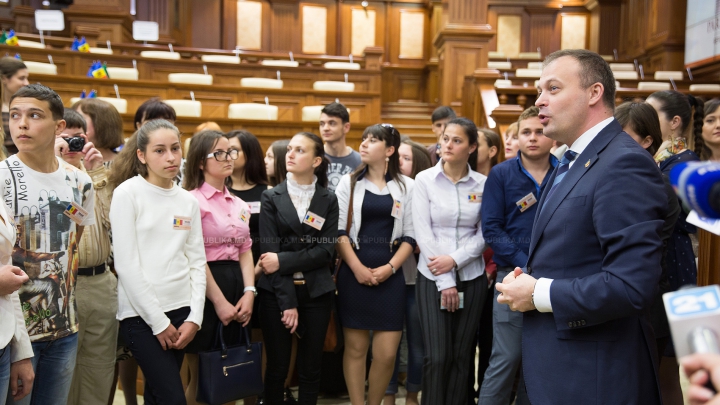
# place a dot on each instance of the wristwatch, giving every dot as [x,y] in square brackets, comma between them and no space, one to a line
[251,288]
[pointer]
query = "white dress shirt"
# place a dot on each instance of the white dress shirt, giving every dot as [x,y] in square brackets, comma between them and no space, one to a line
[301,196]
[541,295]
[12,321]
[446,220]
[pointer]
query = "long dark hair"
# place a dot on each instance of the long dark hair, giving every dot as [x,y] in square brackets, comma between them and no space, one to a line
[493,139]
[388,134]
[688,108]
[153,109]
[318,151]
[643,119]
[254,170]
[201,144]
[710,107]
[471,132]
[127,165]
[279,149]
[420,155]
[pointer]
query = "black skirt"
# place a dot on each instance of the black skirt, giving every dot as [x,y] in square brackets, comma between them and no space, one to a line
[229,279]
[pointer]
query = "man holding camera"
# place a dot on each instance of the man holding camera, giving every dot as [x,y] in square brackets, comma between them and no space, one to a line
[51,202]
[96,291]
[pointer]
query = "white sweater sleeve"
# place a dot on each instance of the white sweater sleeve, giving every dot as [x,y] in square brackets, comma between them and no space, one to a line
[195,253]
[127,262]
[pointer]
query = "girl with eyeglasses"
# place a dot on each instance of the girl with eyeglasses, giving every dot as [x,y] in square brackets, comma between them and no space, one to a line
[370,282]
[230,275]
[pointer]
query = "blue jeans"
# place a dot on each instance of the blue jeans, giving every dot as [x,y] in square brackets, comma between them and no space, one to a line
[4,373]
[416,351]
[54,363]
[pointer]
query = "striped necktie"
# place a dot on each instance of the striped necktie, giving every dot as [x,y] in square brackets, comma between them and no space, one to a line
[568,157]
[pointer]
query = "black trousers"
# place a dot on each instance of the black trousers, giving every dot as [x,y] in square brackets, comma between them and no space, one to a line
[161,368]
[313,318]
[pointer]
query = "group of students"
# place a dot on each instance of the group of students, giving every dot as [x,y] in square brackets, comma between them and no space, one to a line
[219,237]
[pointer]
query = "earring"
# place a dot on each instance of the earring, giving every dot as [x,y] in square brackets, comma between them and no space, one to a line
[387,160]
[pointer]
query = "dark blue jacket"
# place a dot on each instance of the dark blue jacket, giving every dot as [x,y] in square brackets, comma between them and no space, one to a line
[505,228]
[598,239]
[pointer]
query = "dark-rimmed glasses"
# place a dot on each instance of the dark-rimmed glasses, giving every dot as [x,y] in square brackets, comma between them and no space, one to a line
[221,155]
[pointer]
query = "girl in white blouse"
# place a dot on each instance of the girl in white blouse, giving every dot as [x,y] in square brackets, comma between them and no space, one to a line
[452,285]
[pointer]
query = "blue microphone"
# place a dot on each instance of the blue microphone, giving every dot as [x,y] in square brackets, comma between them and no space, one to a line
[698,186]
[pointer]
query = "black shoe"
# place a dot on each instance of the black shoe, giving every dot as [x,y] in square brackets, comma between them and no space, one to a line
[289,398]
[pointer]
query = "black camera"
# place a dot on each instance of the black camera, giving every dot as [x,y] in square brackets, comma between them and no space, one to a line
[75,143]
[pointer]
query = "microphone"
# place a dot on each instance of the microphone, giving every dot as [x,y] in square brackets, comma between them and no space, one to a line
[694,317]
[698,186]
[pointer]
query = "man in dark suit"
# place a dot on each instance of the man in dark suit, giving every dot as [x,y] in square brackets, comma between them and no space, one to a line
[594,260]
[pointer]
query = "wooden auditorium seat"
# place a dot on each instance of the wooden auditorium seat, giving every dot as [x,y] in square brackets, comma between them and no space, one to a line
[279,63]
[122,73]
[705,87]
[185,108]
[625,75]
[342,65]
[326,85]
[253,111]
[41,68]
[160,55]
[120,104]
[616,67]
[261,82]
[655,86]
[221,59]
[669,74]
[190,78]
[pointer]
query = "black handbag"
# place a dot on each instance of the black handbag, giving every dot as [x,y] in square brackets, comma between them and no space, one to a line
[230,373]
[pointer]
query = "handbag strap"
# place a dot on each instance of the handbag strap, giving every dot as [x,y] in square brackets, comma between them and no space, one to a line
[223,346]
[348,225]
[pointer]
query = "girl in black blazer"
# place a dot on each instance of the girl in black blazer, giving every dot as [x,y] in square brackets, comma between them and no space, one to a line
[298,230]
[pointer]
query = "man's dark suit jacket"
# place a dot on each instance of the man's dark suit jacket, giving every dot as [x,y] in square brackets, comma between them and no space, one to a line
[300,247]
[598,238]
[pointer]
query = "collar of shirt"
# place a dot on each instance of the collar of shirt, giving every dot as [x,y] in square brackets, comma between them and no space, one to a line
[581,143]
[364,171]
[209,192]
[297,189]
[538,187]
[439,170]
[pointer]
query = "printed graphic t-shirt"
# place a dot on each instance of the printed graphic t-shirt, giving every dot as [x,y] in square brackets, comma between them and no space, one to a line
[42,205]
[340,166]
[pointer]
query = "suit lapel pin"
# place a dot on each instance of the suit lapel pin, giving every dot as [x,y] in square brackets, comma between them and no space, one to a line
[587,164]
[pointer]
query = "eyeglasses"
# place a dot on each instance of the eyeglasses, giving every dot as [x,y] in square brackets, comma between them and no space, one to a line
[222,155]
[392,129]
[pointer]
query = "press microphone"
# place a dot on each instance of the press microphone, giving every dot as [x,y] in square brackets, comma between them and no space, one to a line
[694,317]
[698,186]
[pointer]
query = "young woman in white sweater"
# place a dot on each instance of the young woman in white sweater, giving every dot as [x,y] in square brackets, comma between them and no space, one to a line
[159,258]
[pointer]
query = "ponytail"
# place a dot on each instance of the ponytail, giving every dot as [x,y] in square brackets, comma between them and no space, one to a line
[127,165]
[698,106]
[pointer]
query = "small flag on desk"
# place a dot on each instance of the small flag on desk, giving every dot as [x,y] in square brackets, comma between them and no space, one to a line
[83,45]
[98,70]
[11,39]
[75,44]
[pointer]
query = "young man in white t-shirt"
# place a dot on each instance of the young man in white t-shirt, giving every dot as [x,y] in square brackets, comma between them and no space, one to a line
[50,201]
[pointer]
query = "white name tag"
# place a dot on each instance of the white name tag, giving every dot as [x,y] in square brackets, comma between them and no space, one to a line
[314,220]
[245,215]
[526,202]
[474,198]
[76,213]
[254,207]
[397,209]
[181,223]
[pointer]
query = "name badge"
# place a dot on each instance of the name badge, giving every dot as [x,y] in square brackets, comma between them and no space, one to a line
[254,207]
[314,220]
[397,209]
[76,213]
[181,223]
[245,215]
[475,197]
[526,202]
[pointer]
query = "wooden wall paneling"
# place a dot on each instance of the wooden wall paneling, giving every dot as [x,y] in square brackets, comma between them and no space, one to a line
[229,22]
[633,30]
[570,25]
[285,26]
[395,10]
[544,30]
[467,11]
[331,23]
[432,83]
[313,28]
[435,11]
[345,25]
[403,84]
[207,23]
[609,26]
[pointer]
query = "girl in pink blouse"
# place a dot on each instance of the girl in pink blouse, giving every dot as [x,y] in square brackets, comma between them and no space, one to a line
[225,220]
